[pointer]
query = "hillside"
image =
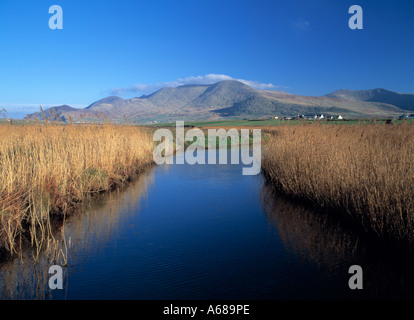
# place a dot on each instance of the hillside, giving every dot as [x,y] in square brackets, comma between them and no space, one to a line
[401,100]
[233,99]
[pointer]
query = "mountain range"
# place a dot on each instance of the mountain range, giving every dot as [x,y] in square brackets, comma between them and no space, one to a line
[234,99]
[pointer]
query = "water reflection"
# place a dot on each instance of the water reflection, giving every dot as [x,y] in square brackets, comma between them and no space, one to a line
[207,232]
[313,236]
[87,230]
[321,238]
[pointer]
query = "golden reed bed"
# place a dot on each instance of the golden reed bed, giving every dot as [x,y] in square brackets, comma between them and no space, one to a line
[47,169]
[365,171]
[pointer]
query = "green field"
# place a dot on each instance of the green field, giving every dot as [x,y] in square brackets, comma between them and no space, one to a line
[279,122]
[245,123]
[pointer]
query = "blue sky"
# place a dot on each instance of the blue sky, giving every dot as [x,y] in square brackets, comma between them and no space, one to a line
[130,48]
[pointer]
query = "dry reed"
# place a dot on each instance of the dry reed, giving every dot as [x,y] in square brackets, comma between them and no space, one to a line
[47,169]
[364,171]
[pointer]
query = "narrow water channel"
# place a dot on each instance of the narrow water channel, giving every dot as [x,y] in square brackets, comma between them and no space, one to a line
[207,232]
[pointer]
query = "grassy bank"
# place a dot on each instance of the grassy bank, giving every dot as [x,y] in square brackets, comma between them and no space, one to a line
[47,169]
[366,172]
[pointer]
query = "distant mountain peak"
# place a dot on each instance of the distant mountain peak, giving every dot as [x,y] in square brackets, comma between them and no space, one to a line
[401,100]
[107,100]
[231,83]
[235,99]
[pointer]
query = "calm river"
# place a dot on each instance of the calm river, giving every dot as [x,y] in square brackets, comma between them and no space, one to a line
[207,232]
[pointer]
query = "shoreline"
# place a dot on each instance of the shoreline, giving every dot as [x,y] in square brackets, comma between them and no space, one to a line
[361,172]
[57,168]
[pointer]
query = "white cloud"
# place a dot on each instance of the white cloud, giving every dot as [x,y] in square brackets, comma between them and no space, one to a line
[301,24]
[206,79]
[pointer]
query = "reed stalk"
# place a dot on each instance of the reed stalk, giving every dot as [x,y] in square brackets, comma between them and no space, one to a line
[366,172]
[48,168]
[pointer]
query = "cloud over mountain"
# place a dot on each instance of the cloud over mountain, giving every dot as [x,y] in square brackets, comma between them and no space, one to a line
[207,79]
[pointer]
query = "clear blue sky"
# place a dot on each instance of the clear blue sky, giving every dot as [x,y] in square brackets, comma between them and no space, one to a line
[129,47]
